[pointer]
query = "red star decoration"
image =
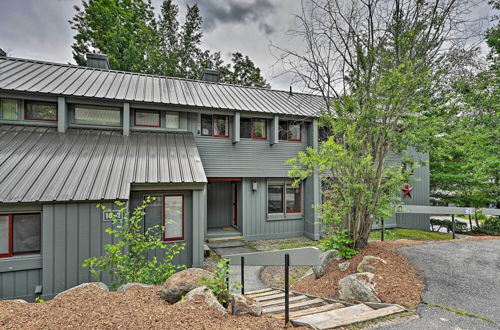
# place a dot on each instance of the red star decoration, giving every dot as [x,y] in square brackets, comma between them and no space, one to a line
[407,191]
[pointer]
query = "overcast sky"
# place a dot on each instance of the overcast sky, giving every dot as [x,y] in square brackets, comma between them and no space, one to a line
[39,29]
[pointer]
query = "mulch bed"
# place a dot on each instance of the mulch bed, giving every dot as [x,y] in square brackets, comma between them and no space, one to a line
[397,282]
[138,308]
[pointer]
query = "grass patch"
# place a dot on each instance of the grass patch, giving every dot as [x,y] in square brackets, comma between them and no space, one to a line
[411,234]
[461,312]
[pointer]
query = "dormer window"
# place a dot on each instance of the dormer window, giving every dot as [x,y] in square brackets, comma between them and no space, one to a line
[95,115]
[215,125]
[290,131]
[253,128]
[43,111]
[147,118]
[8,109]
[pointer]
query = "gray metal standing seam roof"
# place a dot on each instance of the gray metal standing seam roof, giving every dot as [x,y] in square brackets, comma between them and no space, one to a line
[69,80]
[40,164]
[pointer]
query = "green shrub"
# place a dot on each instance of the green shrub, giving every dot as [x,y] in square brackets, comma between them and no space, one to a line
[460,227]
[491,226]
[126,260]
[341,242]
[218,284]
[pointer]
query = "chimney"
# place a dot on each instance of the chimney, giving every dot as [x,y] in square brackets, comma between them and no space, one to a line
[210,74]
[99,61]
[2,53]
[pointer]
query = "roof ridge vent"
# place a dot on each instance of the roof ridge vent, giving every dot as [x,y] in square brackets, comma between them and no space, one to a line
[98,61]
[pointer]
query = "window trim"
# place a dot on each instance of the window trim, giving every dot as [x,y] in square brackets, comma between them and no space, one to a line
[170,239]
[38,119]
[283,202]
[147,111]
[252,136]
[284,184]
[213,126]
[11,236]
[288,131]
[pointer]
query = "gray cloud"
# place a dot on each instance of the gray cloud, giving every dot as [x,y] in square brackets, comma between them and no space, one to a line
[215,12]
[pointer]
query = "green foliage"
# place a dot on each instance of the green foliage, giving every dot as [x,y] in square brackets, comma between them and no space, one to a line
[135,40]
[126,259]
[122,29]
[411,234]
[39,300]
[218,284]
[460,227]
[491,226]
[339,241]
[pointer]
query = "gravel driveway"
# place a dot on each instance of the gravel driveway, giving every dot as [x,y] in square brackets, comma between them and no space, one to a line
[461,275]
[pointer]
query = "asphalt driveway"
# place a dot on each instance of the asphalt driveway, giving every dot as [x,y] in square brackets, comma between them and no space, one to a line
[460,275]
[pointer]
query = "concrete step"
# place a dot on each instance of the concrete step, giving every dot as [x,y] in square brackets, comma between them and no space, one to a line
[226,239]
[226,244]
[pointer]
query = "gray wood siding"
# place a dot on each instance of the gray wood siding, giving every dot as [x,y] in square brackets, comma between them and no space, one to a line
[20,284]
[255,220]
[219,204]
[420,195]
[246,158]
[71,233]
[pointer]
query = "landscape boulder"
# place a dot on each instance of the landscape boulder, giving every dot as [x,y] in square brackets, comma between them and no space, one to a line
[367,265]
[98,285]
[179,284]
[358,287]
[324,259]
[344,266]
[127,286]
[208,297]
[243,305]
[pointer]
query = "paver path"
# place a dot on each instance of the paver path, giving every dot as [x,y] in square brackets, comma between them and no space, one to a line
[463,275]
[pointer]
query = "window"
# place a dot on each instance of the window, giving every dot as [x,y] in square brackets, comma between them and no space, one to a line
[40,111]
[283,196]
[253,128]
[293,199]
[215,125]
[172,120]
[275,198]
[94,115]
[147,118]
[8,109]
[20,234]
[290,131]
[173,218]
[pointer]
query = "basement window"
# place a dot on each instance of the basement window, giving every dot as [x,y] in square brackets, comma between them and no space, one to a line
[290,131]
[8,109]
[253,128]
[20,234]
[284,198]
[43,111]
[95,115]
[215,125]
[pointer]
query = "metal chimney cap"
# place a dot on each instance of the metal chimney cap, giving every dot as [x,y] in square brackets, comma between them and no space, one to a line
[99,61]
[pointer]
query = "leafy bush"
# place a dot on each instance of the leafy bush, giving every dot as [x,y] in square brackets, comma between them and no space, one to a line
[460,227]
[339,241]
[126,260]
[491,226]
[218,284]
